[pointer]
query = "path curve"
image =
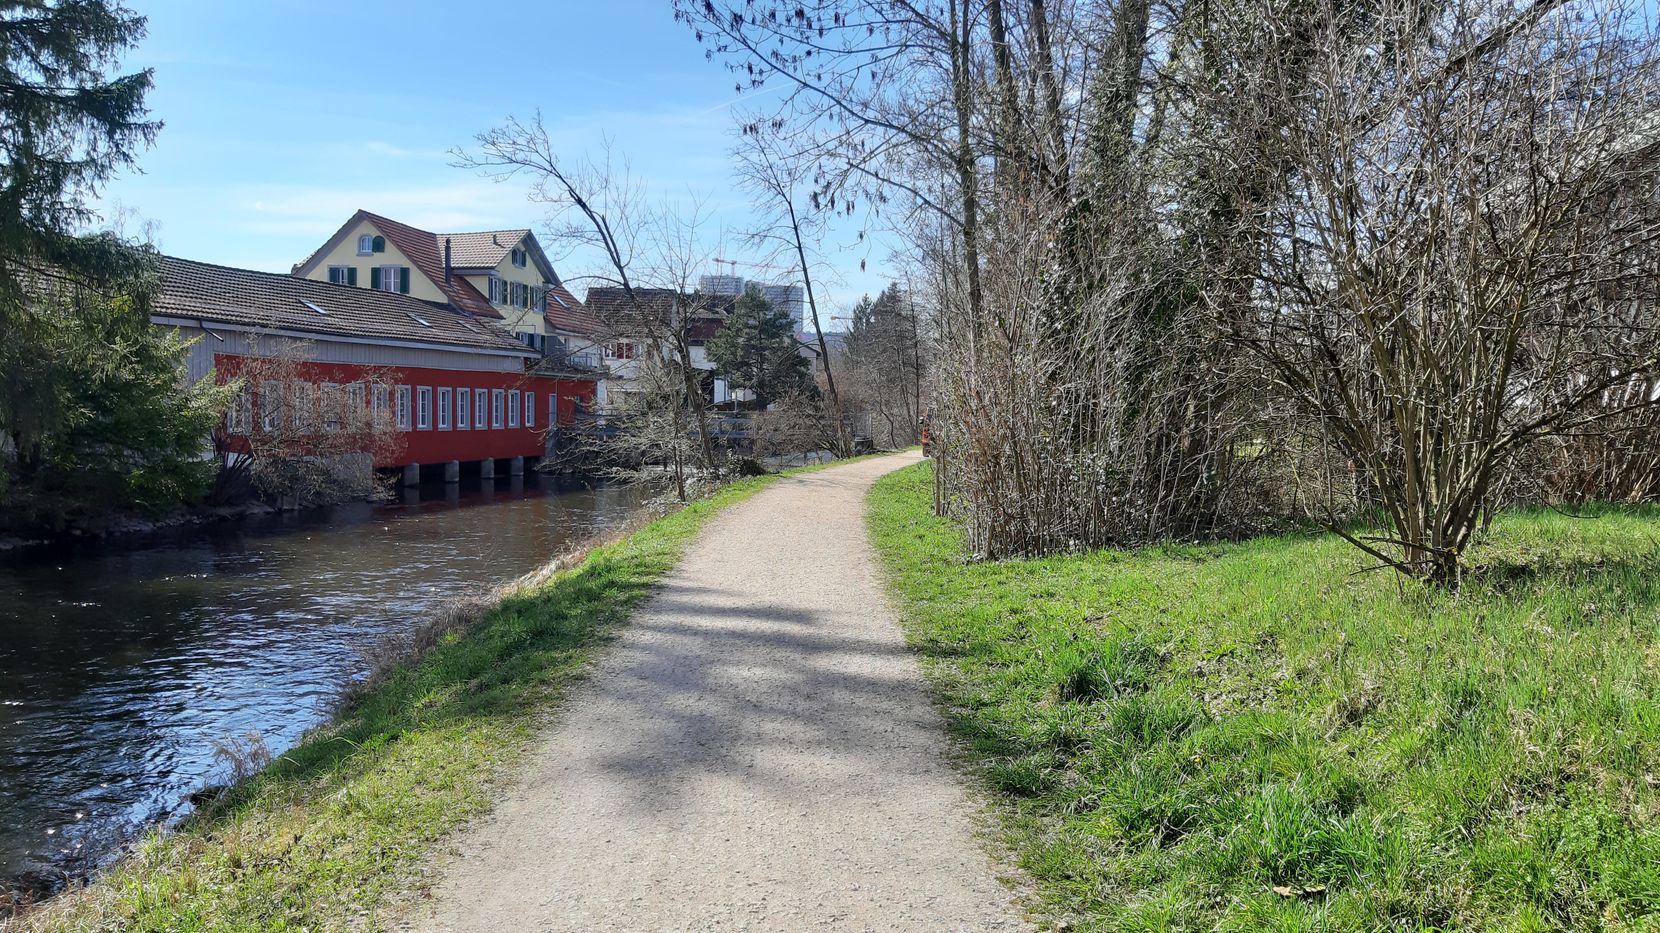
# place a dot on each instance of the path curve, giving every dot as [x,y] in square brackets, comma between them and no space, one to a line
[757,752]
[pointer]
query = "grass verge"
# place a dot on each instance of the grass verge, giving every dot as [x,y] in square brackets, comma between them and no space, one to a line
[321,838]
[1252,736]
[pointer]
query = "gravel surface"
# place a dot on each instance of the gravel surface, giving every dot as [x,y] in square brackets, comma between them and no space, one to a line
[757,752]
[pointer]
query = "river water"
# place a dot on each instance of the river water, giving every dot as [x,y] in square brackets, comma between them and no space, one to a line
[122,664]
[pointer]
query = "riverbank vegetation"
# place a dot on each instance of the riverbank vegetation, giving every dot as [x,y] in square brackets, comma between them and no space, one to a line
[330,833]
[1252,736]
[94,414]
[1198,269]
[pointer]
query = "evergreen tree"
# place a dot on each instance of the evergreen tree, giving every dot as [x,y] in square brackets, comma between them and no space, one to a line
[94,413]
[756,350]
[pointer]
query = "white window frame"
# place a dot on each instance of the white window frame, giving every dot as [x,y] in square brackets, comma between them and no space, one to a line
[553,409]
[332,408]
[498,397]
[343,277]
[423,408]
[389,278]
[381,403]
[446,405]
[306,401]
[240,418]
[271,403]
[530,409]
[404,406]
[357,404]
[481,410]
[513,408]
[463,409]
[366,245]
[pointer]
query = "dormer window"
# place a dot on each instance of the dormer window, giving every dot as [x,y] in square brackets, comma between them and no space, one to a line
[521,257]
[368,245]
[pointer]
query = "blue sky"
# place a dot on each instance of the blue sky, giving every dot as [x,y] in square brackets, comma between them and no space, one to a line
[283,118]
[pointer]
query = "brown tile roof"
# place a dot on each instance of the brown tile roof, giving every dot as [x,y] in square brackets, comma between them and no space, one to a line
[612,306]
[426,251]
[483,249]
[567,314]
[201,291]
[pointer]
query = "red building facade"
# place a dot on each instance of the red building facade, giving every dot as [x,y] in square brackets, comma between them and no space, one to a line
[457,389]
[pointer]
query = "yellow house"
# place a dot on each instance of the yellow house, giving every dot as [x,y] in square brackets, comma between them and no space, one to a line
[499,276]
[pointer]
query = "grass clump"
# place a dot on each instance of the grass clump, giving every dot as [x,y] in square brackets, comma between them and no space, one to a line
[321,838]
[1256,737]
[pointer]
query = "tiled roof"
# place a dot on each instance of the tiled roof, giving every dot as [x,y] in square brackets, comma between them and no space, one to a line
[426,251]
[198,290]
[611,304]
[567,314]
[481,249]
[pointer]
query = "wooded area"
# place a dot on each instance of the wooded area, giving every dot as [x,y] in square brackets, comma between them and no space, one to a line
[1204,266]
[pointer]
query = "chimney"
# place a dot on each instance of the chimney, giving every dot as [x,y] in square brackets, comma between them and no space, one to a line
[447,276]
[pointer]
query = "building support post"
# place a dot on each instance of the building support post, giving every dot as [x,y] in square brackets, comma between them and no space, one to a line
[452,471]
[516,467]
[412,474]
[487,468]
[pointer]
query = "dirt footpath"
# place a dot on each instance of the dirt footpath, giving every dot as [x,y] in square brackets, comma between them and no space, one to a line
[757,752]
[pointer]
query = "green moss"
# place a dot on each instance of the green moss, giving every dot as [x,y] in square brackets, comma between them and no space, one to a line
[1256,736]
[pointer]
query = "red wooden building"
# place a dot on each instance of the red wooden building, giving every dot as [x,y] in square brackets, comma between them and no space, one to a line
[460,390]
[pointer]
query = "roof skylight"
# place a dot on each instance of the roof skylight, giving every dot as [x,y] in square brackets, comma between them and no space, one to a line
[419,320]
[314,307]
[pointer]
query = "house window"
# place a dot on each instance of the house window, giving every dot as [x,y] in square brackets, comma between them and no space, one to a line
[530,409]
[240,418]
[382,405]
[270,406]
[619,351]
[513,408]
[463,409]
[496,398]
[334,413]
[403,408]
[520,257]
[423,408]
[356,405]
[445,406]
[305,406]
[343,275]
[479,403]
[553,410]
[498,289]
[390,278]
[369,244]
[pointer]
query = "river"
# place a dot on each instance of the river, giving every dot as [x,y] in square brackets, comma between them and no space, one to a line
[123,663]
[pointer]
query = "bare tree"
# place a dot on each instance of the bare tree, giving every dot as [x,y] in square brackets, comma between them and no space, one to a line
[296,438]
[649,254]
[777,178]
[1460,257]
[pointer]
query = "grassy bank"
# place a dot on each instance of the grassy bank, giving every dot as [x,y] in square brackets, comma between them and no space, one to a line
[323,837]
[1253,737]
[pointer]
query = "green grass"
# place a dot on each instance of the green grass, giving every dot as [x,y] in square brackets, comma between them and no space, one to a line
[325,836]
[1253,736]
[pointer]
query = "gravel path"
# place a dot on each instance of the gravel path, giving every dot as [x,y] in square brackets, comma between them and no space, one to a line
[757,752]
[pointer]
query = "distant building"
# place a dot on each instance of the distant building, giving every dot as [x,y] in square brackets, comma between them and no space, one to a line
[460,390]
[501,278]
[791,299]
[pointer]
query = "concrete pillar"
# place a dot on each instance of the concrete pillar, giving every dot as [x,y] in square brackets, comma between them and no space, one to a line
[412,475]
[487,469]
[516,467]
[452,471]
